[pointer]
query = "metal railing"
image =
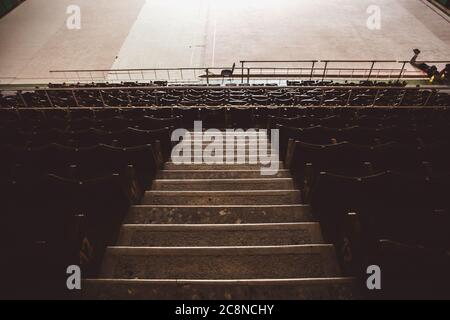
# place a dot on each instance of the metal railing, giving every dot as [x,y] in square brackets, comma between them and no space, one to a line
[252,70]
[352,92]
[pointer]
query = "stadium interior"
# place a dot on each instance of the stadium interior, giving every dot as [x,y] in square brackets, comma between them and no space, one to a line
[88,176]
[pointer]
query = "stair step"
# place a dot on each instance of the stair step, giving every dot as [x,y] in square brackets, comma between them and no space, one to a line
[222,197]
[219,167]
[277,262]
[201,235]
[177,214]
[218,174]
[284,289]
[223,184]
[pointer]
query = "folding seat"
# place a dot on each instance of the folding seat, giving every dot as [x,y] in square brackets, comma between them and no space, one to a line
[213,117]
[332,197]
[161,112]
[78,139]
[401,262]
[106,198]
[115,124]
[44,137]
[283,101]
[308,102]
[108,113]
[369,136]
[191,102]
[260,100]
[75,114]
[339,134]
[12,136]
[215,101]
[81,124]
[150,123]
[134,113]
[400,157]
[169,101]
[340,158]
[142,158]
[44,241]
[439,154]
[240,118]
[293,122]
[62,98]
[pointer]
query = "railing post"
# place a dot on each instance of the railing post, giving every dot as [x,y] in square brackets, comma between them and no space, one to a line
[401,72]
[101,98]
[322,98]
[325,70]
[129,99]
[207,76]
[75,98]
[23,99]
[242,72]
[376,97]
[312,70]
[349,96]
[371,69]
[48,98]
[429,97]
[248,76]
[402,98]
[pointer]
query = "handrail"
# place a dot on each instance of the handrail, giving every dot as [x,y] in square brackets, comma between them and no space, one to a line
[144,88]
[319,69]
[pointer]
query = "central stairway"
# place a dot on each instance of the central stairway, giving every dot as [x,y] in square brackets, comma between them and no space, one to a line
[220,232]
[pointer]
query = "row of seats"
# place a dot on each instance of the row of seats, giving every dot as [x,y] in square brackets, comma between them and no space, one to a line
[52,222]
[64,193]
[262,96]
[378,180]
[396,221]
[165,83]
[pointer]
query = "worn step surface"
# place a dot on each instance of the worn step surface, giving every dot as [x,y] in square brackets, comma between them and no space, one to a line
[275,262]
[218,167]
[209,214]
[223,184]
[219,174]
[201,235]
[254,197]
[284,289]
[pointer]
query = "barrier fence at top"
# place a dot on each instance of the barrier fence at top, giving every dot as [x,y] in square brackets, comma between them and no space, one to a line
[256,70]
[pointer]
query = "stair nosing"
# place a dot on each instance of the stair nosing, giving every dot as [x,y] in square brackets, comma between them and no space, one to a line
[223,226]
[217,250]
[262,281]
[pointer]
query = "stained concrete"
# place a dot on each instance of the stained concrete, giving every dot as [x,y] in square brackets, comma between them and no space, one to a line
[252,197]
[164,214]
[203,235]
[301,289]
[219,174]
[224,184]
[277,262]
[198,33]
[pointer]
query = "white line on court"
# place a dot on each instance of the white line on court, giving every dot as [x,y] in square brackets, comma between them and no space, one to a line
[214,43]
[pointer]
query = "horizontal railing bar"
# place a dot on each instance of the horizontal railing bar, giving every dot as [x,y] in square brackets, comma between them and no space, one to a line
[354,61]
[432,61]
[276,61]
[137,70]
[148,88]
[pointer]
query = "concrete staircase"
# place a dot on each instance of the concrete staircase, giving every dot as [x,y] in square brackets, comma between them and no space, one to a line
[220,232]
